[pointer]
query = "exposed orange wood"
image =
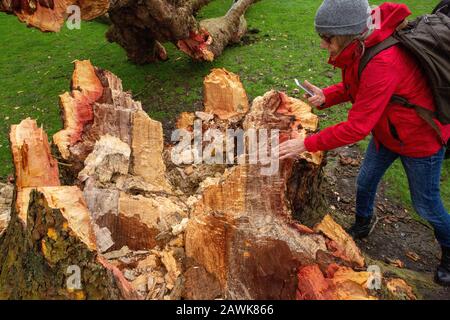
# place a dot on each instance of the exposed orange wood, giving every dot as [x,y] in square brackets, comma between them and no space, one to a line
[33,162]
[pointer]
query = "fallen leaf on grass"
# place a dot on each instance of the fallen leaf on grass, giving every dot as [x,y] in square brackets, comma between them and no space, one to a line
[346,161]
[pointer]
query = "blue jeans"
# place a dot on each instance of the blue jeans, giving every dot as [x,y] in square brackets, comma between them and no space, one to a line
[423,177]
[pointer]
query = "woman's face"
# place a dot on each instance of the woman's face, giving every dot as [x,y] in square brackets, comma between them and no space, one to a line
[331,45]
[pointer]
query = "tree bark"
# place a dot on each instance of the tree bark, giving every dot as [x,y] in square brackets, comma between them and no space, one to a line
[141,26]
[6,198]
[115,156]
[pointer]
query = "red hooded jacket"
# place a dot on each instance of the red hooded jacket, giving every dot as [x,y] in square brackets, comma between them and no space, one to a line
[393,71]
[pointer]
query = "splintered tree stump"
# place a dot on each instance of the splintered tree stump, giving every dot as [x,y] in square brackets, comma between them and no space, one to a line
[52,243]
[50,234]
[224,95]
[116,157]
[241,230]
[49,15]
[242,239]
[144,220]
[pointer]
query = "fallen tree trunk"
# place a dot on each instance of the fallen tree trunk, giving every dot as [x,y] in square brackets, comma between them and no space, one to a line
[213,35]
[49,15]
[141,26]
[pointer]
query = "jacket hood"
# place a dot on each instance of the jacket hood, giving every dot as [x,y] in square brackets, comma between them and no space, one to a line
[390,16]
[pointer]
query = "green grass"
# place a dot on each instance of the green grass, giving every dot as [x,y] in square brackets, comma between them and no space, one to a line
[36,67]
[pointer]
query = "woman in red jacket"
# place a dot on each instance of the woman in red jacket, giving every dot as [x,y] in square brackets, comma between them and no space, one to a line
[347,27]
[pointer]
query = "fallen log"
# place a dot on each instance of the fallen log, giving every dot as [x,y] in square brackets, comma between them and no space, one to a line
[213,35]
[49,15]
[141,26]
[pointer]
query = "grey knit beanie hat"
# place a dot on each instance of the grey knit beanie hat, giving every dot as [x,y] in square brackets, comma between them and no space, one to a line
[342,17]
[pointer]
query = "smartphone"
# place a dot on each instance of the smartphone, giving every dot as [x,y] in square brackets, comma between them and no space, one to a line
[304,89]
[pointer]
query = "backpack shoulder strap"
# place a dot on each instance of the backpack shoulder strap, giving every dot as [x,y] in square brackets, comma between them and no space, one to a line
[371,52]
[427,115]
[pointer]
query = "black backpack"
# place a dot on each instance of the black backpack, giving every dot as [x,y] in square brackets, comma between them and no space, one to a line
[428,38]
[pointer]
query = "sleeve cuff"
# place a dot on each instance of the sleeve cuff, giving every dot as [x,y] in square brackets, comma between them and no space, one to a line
[311,143]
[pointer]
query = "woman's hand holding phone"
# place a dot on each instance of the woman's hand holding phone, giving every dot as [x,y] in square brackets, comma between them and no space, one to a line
[318,99]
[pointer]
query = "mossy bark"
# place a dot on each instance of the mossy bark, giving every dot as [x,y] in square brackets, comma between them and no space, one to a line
[37,257]
[304,190]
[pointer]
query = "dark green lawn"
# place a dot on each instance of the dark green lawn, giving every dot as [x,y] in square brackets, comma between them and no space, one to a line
[36,67]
